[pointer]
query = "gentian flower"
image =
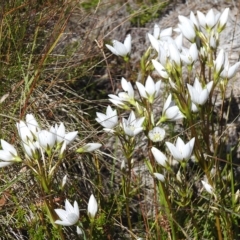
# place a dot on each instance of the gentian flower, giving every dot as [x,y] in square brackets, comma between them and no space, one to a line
[160,69]
[170,111]
[157,134]
[32,149]
[24,132]
[132,126]
[229,71]
[8,154]
[69,216]
[121,49]
[181,151]
[223,20]
[159,176]
[161,34]
[189,56]
[174,54]
[209,20]
[219,62]
[108,120]
[61,134]
[198,94]
[47,139]
[159,156]
[92,206]
[187,28]
[151,89]
[32,124]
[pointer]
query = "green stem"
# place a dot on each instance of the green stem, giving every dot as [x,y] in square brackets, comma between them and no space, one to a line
[167,207]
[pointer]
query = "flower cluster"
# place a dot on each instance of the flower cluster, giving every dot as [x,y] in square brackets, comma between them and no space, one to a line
[189,95]
[36,141]
[70,216]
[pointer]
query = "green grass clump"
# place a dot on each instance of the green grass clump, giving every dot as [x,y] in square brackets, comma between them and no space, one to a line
[146,12]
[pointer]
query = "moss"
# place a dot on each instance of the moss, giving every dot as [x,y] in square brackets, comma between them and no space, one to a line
[89,4]
[146,12]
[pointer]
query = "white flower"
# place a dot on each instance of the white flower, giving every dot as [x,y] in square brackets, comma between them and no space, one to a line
[92,206]
[198,94]
[159,176]
[108,120]
[194,20]
[187,28]
[229,72]
[223,20]
[89,147]
[161,34]
[178,41]
[24,132]
[8,154]
[174,54]
[157,134]
[69,216]
[159,156]
[151,89]
[61,134]
[207,187]
[132,126]
[154,42]
[120,49]
[170,111]
[181,151]
[163,55]
[47,139]
[208,21]
[69,137]
[189,56]
[160,69]
[128,95]
[219,62]
[32,149]
[32,124]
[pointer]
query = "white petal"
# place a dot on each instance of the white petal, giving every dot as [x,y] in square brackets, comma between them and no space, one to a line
[156,31]
[120,48]
[210,18]
[174,151]
[92,206]
[5,164]
[223,18]
[141,90]
[201,19]
[150,86]
[159,156]
[127,43]
[154,42]
[112,49]
[8,147]
[159,176]
[6,156]
[160,69]
[167,103]
[166,32]
[69,137]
